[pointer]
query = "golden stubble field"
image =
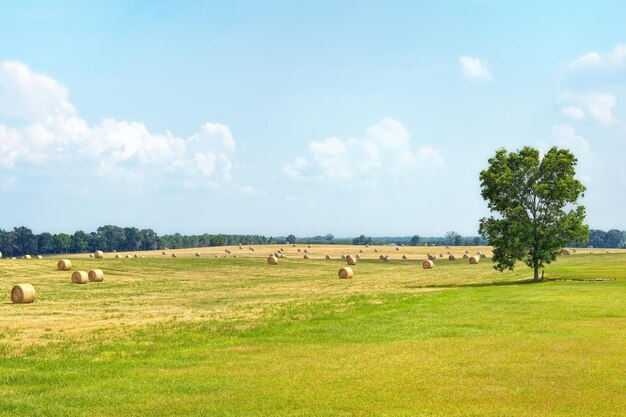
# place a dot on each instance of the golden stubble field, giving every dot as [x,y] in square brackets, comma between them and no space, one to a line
[218,286]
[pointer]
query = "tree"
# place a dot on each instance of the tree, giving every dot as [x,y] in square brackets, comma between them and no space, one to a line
[614,239]
[536,199]
[80,242]
[291,239]
[362,240]
[415,240]
[45,243]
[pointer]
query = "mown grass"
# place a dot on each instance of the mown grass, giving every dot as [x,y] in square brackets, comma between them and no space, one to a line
[230,337]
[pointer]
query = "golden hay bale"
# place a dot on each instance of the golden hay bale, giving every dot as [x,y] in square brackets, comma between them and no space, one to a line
[428,264]
[483,256]
[431,257]
[299,250]
[309,246]
[447,247]
[64,265]
[79,277]
[0,255]
[163,253]
[216,256]
[397,248]
[305,256]
[478,253]
[465,256]
[306,251]
[98,254]
[448,253]
[27,257]
[467,252]
[39,257]
[95,275]
[565,252]
[271,260]
[22,294]
[405,257]
[350,260]
[345,273]
[293,245]
[240,246]
[173,255]
[343,257]
[91,255]
[135,256]
[451,258]
[197,253]
[381,257]
[360,250]
[441,255]
[367,246]
[14,258]
[127,256]
[386,258]
[117,256]
[328,257]
[358,256]
[474,260]
[375,250]
[251,248]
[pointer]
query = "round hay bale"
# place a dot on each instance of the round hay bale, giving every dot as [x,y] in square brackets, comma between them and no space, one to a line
[271,260]
[360,250]
[565,252]
[173,255]
[428,264]
[216,256]
[305,256]
[306,251]
[397,248]
[447,247]
[441,255]
[465,256]
[79,277]
[98,254]
[367,246]
[467,252]
[251,248]
[127,256]
[405,257]
[309,246]
[0,255]
[350,260]
[478,253]
[299,250]
[451,258]
[386,258]
[163,253]
[473,260]
[293,245]
[381,257]
[431,257]
[95,275]
[448,253]
[240,246]
[91,255]
[64,265]
[483,256]
[197,253]
[343,257]
[27,257]
[39,257]
[23,294]
[375,250]
[328,257]
[358,256]
[345,273]
[117,256]
[135,256]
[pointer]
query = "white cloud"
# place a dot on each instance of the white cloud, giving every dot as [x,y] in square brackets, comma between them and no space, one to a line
[566,136]
[615,58]
[48,129]
[573,112]
[475,68]
[599,106]
[386,148]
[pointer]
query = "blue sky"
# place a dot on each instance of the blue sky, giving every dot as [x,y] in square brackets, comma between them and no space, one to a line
[299,117]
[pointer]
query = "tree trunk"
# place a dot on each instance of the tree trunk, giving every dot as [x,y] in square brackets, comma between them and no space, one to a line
[536,276]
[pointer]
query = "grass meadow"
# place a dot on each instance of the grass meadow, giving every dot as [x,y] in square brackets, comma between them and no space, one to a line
[233,336]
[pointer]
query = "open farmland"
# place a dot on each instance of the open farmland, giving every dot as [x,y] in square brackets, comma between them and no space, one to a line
[222,335]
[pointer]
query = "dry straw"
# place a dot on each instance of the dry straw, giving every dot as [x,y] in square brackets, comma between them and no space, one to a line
[428,264]
[345,273]
[95,275]
[79,277]
[64,265]
[474,260]
[271,260]
[98,254]
[22,294]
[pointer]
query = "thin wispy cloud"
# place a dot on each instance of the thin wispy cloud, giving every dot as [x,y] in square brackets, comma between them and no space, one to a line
[475,68]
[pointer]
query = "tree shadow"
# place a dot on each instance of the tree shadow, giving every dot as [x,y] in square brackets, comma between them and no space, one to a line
[479,284]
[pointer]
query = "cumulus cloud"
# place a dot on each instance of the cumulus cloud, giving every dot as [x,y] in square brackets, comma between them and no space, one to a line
[385,147]
[613,59]
[566,136]
[475,68]
[599,106]
[43,126]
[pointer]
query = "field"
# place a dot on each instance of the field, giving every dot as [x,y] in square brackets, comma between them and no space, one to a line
[226,336]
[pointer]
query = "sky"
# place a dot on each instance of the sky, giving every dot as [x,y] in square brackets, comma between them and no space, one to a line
[280,117]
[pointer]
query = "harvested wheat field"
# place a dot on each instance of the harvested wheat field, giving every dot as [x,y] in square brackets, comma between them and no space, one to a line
[236,336]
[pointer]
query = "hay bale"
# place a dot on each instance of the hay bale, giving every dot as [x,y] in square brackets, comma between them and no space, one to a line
[79,277]
[451,258]
[299,250]
[483,256]
[358,256]
[478,253]
[367,246]
[386,258]
[23,294]
[343,257]
[441,255]
[397,248]
[360,250]
[345,273]
[448,253]
[127,256]
[272,260]
[0,255]
[216,256]
[98,254]
[328,257]
[428,264]
[305,256]
[350,260]
[375,250]
[447,247]
[135,256]
[166,248]
[465,256]
[251,248]
[117,256]
[27,257]
[381,257]
[39,257]
[173,255]
[197,253]
[64,265]
[240,246]
[91,255]
[467,252]
[473,260]
[565,252]
[293,245]
[95,275]
[306,251]
[309,246]
[405,257]
[431,257]
[163,253]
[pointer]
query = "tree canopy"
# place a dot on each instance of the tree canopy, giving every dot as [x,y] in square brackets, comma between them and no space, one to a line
[535,198]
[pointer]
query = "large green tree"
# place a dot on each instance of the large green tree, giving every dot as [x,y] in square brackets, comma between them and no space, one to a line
[535,198]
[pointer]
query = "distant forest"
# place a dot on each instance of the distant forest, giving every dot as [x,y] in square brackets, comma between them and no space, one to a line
[22,241]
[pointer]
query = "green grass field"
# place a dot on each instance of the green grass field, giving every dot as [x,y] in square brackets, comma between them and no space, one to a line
[205,336]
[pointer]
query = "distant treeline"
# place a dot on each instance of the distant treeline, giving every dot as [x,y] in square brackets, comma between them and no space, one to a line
[22,241]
